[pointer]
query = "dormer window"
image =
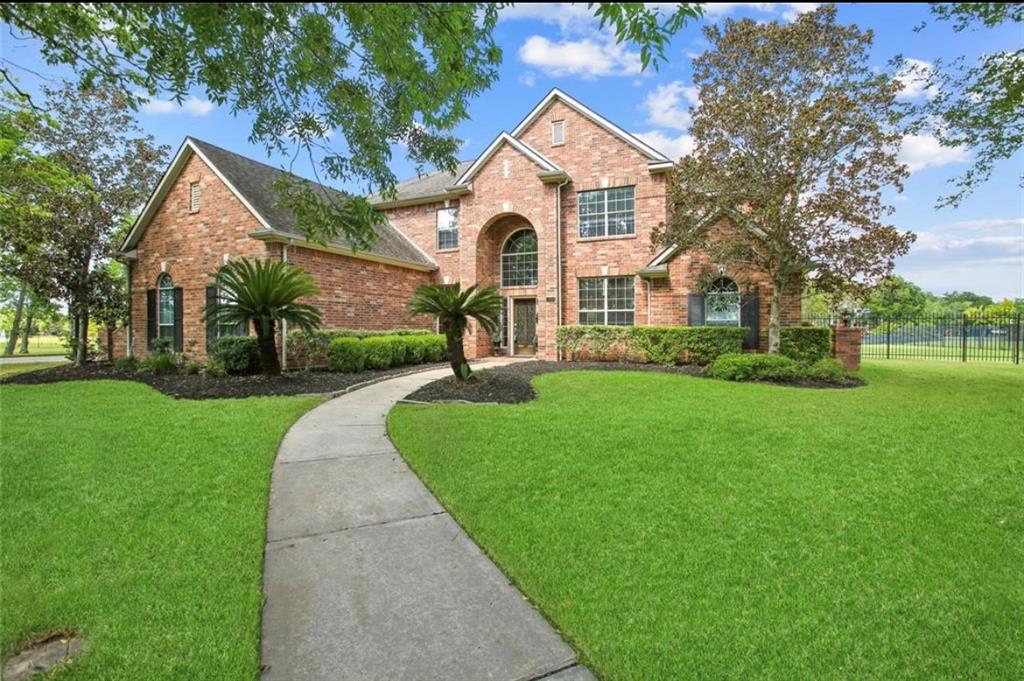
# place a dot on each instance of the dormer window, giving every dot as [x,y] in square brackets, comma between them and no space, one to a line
[193,197]
[557,133]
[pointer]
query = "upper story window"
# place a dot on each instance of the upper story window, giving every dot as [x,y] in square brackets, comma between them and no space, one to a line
[722,303]
[519,259]
[557,133]
[607,212]
[447,229]
[607,300]
[193,197]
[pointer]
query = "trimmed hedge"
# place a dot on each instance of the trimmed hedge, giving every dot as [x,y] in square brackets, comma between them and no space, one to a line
[351,354]
[753,367]
[805,344]
[239,355]
[312,348]
[657,344]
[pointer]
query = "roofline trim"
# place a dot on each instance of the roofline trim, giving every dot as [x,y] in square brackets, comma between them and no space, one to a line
[273,236]
[520,146]
[647,150]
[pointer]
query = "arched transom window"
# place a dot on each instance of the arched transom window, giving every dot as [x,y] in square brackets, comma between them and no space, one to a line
[519,259]
[165,306]
[722,303]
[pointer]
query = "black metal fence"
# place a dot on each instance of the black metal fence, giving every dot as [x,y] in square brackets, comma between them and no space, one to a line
[962,338]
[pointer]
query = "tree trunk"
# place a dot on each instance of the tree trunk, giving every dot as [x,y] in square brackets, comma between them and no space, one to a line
[82,345]
[457,355]
[110,343]
[270,364]
[775,319]
[28,331]
[12,342]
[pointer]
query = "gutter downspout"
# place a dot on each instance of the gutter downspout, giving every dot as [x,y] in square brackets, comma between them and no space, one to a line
[129,349]
[284,322]
[558,262]
[648,282]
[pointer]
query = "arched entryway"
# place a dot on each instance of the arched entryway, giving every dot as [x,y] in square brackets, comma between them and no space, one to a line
[508,256]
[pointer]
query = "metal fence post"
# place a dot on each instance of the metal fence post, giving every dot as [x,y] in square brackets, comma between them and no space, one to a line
[888,336]
[963,336]
[1016,339]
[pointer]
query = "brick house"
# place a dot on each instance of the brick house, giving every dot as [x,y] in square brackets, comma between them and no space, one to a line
[558,214]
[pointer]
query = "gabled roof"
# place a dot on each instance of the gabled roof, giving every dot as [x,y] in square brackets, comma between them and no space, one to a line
[252,183]
[547,167]
[431,187]
[655,157]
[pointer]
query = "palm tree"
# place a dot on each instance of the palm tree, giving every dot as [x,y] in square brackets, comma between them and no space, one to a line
[453,308]
[264,292]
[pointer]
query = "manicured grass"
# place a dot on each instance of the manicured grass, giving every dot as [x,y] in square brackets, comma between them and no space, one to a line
[139,521]
[676,527]
[42,345]
[20,368]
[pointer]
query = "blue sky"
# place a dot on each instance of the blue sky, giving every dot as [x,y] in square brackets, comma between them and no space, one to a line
[979,246]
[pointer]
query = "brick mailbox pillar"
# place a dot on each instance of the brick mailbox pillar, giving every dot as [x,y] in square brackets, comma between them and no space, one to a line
[846,346]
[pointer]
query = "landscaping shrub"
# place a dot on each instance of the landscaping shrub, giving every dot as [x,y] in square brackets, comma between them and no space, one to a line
[161,363]
[312,349]
[435,348]
[127,363]
[215,369]
[347,354]
[805,344]
[755,367]
[658,344]
[239,355]
[350,353]
[192,368]
[828,369]
[379,352]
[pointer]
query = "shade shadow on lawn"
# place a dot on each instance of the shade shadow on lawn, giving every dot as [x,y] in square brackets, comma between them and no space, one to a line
[138,521]
[674,527]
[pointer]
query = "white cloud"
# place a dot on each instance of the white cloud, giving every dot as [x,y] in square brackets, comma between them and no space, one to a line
[989,223]
[193,106]
[570,17]
[914,76]
[528,79]
[789,11]
[925,151]
[668,105]
[673,147]
[587,58]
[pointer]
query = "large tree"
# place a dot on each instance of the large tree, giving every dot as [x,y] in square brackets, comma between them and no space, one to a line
[977,104]
[95,137]
[794,141]
[377,74]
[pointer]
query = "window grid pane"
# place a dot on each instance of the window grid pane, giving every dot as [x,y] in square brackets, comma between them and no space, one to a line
[607,300]
[607,212]
[447,228]
[519,260]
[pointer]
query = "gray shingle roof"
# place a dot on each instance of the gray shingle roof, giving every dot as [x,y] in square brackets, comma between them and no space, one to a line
[433,184]
[255,181]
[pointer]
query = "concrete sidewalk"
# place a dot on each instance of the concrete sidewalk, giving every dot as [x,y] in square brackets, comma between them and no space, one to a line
[367,577]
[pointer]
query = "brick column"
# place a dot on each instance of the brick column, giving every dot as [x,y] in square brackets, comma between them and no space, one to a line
[846,346]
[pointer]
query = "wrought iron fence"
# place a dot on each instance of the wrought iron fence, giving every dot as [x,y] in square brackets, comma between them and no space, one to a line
[963,338]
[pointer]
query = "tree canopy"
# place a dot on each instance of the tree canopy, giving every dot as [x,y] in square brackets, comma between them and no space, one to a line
[795,138]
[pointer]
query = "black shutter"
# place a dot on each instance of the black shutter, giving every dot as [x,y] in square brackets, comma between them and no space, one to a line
[178,345]
[695,309]
[211,321]
[750,317]
[150,317]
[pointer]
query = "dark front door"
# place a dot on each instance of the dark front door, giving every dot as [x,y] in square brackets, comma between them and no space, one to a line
[524,327]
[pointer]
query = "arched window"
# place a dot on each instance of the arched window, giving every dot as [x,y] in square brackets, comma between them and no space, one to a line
[519,259]
[165,306]
[722,303]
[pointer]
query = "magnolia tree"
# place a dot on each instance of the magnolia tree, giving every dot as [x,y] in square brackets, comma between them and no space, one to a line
[795,141]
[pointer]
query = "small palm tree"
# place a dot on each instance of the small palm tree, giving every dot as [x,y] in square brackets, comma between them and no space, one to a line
[454,307]
[264,292]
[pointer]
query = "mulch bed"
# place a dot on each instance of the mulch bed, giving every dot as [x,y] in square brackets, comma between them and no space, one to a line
[199,387]
[510,384]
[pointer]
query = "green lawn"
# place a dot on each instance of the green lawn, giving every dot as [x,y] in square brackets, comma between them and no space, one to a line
[675,527]
[20,368]
[42,345]
[139,521]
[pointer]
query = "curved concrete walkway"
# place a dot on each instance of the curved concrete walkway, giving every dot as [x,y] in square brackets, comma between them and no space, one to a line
[367,577]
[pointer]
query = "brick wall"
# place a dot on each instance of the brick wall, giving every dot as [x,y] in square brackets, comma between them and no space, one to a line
[846,346]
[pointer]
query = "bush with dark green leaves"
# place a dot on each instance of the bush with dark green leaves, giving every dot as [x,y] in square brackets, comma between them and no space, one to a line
[805,344]
[755,367]
[312,348]
[380,352]
[239,355]
[127,363]
[347,354]
[828,369]
[665,345]
[161,363]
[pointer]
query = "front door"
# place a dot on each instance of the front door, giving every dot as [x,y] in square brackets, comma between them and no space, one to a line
[524,327]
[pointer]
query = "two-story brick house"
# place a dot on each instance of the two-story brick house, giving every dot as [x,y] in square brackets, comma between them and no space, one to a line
[558,213]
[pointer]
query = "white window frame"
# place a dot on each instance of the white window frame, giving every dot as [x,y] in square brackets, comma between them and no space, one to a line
[451,226]
[164,284]
[557,140]
[717,290]
[508,256]
[604,309]
[605,213]
[195,193]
